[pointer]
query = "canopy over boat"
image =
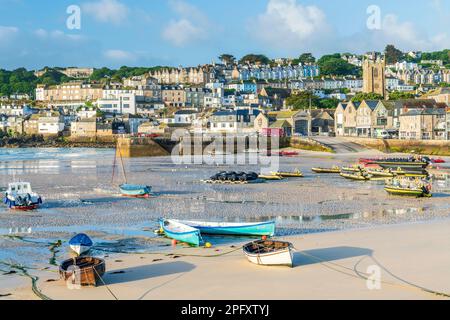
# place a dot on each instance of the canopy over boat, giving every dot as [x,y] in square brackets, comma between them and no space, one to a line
[181,232]
[239,229]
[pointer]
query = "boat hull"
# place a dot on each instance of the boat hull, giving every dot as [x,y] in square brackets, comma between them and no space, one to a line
[408,193]
[283,257]
[354,177]
[325,170]
[270,177]
[79,249]
[257,229]
[135,191]
[191,237]
[288,174]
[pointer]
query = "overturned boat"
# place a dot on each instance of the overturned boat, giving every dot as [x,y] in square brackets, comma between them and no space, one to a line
[20,196]
[81,243]
[135,191]
[270,253]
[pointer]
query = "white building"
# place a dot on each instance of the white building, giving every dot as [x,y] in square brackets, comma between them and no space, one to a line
[118,101]
[50,124]
[185,116]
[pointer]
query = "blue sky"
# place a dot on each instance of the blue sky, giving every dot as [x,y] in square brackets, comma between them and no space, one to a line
[34,34]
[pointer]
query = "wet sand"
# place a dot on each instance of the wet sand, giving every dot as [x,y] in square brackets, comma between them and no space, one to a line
[411,256]
[315,213]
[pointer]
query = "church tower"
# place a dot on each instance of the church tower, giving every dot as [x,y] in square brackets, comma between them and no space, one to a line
[374,76]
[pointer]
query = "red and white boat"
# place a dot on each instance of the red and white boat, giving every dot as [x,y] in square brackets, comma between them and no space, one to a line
[20,196]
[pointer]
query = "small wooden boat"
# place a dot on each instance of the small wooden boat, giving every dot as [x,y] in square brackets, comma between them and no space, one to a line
[80,244]
[181,232]
[270,177]
[135,191]
[295,174]
[20,196]
[269,253]
[351,176]
[83,271]
[235,229]
[327,170]
[420,192]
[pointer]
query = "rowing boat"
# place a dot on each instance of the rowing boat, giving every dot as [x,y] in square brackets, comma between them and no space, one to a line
[181,232]
[83,271]
[295,174]
[327,170]
[354,176]
[80,244]
[269,253]
[237,229]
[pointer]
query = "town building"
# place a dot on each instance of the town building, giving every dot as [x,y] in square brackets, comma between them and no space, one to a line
[374,77]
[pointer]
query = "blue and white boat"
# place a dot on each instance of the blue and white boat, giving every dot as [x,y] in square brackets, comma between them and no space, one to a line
[136,191]
[80,244]
[234,229]
[181,232]
[20,196]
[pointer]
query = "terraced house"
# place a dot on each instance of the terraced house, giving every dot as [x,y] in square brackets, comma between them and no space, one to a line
[364,123]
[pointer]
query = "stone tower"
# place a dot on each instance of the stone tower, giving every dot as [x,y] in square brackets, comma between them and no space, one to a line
[374,74]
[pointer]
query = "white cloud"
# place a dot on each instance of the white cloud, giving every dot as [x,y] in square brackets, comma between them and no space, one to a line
[403,34]
[119,55]
[56,35]
[191,26]
[7,33]
[111,11]
[290,24]
[181,32]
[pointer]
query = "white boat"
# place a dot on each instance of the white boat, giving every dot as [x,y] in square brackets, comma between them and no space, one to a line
[20,196]
[80,244]
[270,253]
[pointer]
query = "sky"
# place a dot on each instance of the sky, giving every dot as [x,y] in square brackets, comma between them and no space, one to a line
[112,33]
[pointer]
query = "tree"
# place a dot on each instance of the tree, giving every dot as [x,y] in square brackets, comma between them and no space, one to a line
[397,95]
[359,97]
[227,59]
[302,100]
[254,59]
[335,65]
[306,58]
[393,55]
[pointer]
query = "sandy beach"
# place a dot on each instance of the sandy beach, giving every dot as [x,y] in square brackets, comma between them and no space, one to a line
[340,228]
[327,266]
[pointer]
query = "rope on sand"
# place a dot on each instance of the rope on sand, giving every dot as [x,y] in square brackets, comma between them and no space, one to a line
[34,279]
[364,276]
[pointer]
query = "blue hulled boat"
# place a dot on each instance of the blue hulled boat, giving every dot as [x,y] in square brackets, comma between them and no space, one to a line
[138,191]
[181,232]
[235,229]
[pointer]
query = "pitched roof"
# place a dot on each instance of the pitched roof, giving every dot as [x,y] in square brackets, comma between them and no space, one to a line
[372,104]
[280,124]
[283,114]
